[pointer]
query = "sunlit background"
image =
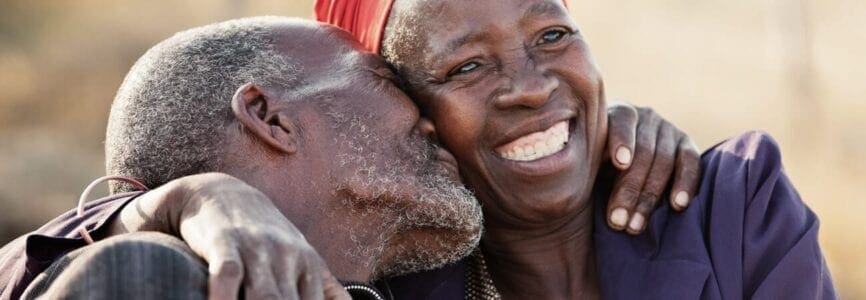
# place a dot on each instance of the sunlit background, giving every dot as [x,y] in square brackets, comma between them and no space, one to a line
[793,68]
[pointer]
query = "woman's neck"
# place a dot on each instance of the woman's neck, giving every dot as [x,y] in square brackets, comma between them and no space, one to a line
[555,262]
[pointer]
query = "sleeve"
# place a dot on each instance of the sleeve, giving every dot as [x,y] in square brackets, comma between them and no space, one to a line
[25,257]
[778,236]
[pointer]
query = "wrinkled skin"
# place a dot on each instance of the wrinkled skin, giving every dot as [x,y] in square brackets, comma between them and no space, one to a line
[490,73]
[342,158]
[644,152]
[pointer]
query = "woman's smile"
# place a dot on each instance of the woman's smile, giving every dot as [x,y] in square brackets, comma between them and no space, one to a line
[539,153]
[536,145]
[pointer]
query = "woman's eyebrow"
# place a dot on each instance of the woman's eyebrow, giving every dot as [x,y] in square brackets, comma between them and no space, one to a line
[542,9]
[455,44]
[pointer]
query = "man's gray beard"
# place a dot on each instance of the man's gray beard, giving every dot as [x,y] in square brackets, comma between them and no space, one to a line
[440,204]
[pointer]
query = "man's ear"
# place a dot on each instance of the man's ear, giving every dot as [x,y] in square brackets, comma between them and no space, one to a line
[265,118]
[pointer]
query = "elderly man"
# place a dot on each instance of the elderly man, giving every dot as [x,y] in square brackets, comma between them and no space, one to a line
[289,132]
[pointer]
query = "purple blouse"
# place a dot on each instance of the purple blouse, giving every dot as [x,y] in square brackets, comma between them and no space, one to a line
[745,235]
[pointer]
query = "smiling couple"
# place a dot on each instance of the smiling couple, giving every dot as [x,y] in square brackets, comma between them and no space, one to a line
[288,164]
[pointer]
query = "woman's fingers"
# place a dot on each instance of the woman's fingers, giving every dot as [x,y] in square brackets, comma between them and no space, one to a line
[622,129]
[629,185]
[657,179]
[686,174]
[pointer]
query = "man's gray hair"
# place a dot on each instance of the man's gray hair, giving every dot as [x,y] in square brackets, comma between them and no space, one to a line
[169,116]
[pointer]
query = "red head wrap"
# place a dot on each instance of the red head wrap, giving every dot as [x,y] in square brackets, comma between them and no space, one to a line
[365,19]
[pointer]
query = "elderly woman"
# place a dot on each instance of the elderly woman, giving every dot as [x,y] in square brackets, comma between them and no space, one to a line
[513,92]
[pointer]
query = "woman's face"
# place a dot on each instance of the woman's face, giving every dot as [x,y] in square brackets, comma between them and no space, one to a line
[514,93]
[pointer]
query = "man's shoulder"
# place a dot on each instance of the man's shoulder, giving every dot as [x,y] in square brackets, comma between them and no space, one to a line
[734,236]
[27,256]
[11,265]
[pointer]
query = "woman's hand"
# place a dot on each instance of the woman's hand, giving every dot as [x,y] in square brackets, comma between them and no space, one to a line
[647,151]
[244,238]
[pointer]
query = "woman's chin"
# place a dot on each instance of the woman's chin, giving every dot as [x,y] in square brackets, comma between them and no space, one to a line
[540,207]
[551,209]
[534,191]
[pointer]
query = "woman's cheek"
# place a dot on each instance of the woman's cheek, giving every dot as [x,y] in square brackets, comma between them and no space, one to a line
[456,126]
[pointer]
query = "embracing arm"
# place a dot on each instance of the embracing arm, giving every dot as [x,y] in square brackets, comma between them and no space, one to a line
[647,153]
[235,228]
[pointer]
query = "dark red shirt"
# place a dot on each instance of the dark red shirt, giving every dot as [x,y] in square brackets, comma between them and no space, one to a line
[29,255]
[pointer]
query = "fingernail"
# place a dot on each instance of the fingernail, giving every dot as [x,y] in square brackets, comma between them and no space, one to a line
[623,155]
[682,199]
[636,223]
[619,217]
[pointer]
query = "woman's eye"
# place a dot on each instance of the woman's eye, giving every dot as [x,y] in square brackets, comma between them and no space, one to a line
[465,68]
[552,36]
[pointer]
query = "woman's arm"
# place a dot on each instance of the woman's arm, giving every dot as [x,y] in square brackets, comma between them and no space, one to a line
[646,154]
[223,219]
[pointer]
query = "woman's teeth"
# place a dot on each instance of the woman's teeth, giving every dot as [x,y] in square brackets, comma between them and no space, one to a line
[537,144]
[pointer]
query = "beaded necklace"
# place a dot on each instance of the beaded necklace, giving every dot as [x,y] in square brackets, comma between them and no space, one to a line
[479,285]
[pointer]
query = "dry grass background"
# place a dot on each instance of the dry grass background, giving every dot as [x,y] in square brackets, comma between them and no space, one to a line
[793,68]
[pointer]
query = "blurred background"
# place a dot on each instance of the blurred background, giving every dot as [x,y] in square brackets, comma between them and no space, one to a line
[793,68]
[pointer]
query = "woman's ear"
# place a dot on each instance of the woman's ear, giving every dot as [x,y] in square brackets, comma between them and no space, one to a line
[265,118]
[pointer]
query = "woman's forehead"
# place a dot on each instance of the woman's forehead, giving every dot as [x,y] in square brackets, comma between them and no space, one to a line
[424,10]
[457,17]
[450,25]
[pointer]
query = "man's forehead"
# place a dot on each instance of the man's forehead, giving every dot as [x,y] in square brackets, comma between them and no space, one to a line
[321,48]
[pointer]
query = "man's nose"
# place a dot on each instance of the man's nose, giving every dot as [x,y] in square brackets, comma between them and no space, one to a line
[530,88]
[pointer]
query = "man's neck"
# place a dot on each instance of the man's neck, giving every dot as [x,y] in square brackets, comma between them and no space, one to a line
[344,266]
[556,262]
[349,251]
[351,254]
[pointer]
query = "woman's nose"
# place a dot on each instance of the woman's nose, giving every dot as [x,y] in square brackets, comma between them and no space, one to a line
[530,88]
[426,129]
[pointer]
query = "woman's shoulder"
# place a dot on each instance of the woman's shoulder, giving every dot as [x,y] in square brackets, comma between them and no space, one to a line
[743,182]
[744,232]
[744,163]
[761,236]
